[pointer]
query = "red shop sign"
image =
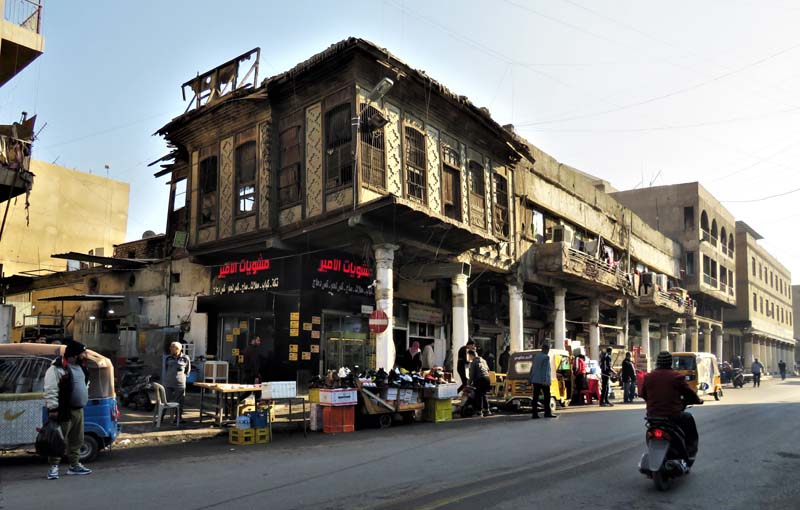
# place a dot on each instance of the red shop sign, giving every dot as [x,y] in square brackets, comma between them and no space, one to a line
[344,266]
[243,267]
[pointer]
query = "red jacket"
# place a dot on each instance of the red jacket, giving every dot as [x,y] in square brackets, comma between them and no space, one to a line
[667,392]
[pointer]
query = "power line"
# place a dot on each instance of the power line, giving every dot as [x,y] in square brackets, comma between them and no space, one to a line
[762,198]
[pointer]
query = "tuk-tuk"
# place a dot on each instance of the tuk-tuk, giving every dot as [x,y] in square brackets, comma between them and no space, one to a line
[701,371]
[517,389]
[22,409]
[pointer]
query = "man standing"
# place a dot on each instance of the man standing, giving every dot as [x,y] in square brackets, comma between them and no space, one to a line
[251,371]
[606,372]
[756,368]
[782,369]
[579,371]
[66,392]
[461,366]
[479,379]
[504,357]
[541,379]
[628,379]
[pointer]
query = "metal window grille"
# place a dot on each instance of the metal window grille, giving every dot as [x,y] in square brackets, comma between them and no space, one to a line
[373,163]
[338,152]
[500,205]
[477,195]
[415,164]
[289,172]
[246,177]
[208,190]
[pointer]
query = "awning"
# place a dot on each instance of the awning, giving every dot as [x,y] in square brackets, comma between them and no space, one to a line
[86,297]
[103,261]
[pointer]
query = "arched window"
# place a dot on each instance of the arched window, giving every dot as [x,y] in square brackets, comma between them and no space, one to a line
[704,225]
[723,239]
[714,232]
[730,244]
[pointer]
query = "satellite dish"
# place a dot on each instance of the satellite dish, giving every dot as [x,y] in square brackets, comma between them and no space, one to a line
[148,233]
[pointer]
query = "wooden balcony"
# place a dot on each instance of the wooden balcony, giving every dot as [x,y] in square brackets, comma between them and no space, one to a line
[559,260]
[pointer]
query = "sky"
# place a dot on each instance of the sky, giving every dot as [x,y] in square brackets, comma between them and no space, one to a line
[637,92]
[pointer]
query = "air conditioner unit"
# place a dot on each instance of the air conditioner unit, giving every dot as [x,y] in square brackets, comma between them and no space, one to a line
[563,234]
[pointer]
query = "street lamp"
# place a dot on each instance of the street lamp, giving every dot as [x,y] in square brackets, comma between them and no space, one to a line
[377,121]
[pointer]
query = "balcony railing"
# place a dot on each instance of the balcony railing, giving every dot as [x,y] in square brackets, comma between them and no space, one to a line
[710,280]
[25,13]
[596,265]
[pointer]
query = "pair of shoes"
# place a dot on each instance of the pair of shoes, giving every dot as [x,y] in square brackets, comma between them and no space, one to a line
[551,416]
[609,404]
[534,416]
[78,469]
[487,413]
[603,404]
[52,473]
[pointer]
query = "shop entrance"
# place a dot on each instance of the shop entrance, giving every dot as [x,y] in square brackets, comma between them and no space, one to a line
[346,342]
[236,331]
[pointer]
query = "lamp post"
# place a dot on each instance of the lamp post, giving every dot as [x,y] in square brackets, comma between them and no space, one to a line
[376,94]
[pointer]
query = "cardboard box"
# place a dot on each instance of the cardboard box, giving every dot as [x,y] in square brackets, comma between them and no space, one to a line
[442,391]
[338,397]
[389,393]
[278,389]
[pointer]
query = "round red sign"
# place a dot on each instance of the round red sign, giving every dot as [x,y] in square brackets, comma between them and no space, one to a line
[378,321]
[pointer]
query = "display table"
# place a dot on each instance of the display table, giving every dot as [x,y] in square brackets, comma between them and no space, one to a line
[289,401]
[226,399]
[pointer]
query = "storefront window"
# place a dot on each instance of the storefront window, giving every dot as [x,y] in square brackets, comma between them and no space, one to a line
[347,342]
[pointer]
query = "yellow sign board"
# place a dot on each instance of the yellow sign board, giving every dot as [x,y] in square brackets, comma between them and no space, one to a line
[306,326]
[294,316]
[294,347]
[306,356]
[292,356]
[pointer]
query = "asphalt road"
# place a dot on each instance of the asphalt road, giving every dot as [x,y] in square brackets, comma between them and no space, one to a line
[749,458]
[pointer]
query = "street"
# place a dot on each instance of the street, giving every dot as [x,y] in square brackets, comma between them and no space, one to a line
[749,456]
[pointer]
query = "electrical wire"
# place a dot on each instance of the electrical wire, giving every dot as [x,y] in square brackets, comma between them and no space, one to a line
[762,198]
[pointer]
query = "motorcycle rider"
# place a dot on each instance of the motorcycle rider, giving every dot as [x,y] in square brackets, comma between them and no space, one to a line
[667,394]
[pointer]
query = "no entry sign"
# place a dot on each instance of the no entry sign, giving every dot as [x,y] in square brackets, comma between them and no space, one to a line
[378,321]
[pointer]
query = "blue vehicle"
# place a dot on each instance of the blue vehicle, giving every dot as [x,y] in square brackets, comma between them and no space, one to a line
[22,410]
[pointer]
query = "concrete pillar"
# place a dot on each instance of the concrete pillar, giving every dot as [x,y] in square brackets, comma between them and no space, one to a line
[707,345]
[594,328]
[774,360]
[749,351]
[718,343]
[681,342]
[665,336]
[621,332]
[695,335]
[384,299]
[460,319]
[515,316]
[645,324]
[560,321]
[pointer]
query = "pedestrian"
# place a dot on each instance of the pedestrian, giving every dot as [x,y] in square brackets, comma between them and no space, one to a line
[479,379]
[782,369]
[66,392]
[461,364]
[490,361]
[541,379]
[177,366]
[412,359]
[579,373]
[503,361]
[606,372]
[253,362]
[756,368]
[427,357]
[628,377]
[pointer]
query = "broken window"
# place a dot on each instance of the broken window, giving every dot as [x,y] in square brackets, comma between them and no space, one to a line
[688,218]
[451,182]
[415,164]
[289,172]
[477,195]
[338,151]
[704,226]
[208,190]
[373,164]
[246,177]
[500,205]
[179,199]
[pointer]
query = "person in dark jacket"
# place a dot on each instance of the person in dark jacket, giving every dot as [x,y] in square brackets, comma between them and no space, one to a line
[66,393]
[605,377]
[505,356]
[628,377]
[412,359]
[176,368]
[479,379]
[782,369]
[667,394]
[461,365]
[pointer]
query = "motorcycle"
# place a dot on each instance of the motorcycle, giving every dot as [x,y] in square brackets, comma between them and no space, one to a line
[137,392]
[667,456]
[737,378]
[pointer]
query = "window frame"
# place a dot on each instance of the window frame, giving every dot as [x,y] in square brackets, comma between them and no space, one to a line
[367,146]
[474,196]
[503,208]
[250,185]
[342,145]
[294,165]
[203,191]
[417,168]
[450,155]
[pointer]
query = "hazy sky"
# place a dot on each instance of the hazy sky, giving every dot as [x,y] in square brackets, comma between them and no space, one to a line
[637,92]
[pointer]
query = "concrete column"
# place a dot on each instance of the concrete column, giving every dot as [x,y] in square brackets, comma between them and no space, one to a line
[718,344]
[749,352]
[707,346]
[645,325]
[594,328]
[460,319]
[621,332]
[774,360]
[681,343]
[560,321]
[515,316]
[384,299]
[665,336]
[695,335]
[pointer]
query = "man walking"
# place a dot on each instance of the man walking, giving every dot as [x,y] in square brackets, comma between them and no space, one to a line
[606,372]
[479,379]
[66,392]
[541,380]
[628,377]
[461,365]
[782,369]
[756,368]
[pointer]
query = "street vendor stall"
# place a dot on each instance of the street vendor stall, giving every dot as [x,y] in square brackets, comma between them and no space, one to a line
[384,404]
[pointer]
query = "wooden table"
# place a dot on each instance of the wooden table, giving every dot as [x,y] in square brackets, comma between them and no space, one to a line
[288,401]
[227,399]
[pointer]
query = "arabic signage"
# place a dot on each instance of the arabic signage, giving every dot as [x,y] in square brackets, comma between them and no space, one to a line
[251,274]
[344,266]
[246,267]
[337,273]
[419,313]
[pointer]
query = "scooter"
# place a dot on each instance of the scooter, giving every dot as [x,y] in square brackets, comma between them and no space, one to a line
[667,456]
[137,392]
[737,378]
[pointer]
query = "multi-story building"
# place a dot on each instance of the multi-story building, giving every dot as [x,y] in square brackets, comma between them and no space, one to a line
[21,43]
[690,215]
[762,324]
[795,324]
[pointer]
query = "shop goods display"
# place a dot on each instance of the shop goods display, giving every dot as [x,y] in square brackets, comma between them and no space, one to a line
[338,397]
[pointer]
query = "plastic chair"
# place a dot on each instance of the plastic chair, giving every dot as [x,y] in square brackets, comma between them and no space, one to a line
[163,406]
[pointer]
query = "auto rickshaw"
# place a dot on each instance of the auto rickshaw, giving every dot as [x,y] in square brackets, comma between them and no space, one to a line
[22,408]
[517,389]
[701,372]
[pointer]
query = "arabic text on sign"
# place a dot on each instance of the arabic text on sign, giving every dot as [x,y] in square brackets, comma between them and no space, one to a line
[244,266]
[242,287]
[341,287]
[345,266]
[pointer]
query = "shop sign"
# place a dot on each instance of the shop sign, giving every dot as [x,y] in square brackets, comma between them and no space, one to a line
[426,314]
[341,287]
[240,287]
[367,309]
[245,267]
[345,267]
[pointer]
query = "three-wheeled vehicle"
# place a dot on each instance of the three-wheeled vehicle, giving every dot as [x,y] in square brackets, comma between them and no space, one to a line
[517,389]
[22,409]
[701,371]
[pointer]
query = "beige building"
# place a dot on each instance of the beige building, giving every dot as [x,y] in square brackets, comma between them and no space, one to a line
[69,211]
[761,325]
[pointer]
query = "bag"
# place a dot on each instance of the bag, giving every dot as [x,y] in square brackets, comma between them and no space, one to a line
[50,440]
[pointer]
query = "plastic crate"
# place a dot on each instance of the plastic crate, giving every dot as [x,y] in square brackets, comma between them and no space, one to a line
[438,410]
[262,435]
[242,436]
[258,419]
[338,419]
